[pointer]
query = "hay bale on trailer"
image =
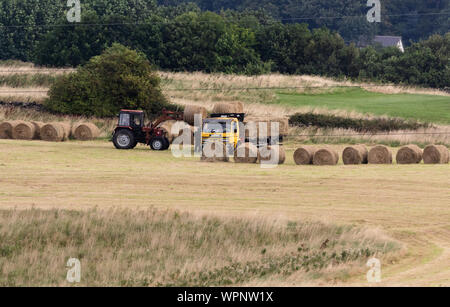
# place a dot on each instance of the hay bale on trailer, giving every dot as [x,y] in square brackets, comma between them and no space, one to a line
[354,155]
[24,131]
[6,129]
[269,153]
[228,107]
[215,152]
[410,154]
[283,124]
[190,111]
[85,131]
[326,156]
[55,132]
[380,155]
[304,155]
[246,153]
[436,154]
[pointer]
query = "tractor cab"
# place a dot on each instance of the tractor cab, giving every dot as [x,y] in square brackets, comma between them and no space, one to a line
[131,119]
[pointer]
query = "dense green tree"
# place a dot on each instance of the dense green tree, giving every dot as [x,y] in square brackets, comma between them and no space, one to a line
[118,78]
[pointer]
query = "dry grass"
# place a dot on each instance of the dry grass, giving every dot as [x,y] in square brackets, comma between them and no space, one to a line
[167,248]
[409,202]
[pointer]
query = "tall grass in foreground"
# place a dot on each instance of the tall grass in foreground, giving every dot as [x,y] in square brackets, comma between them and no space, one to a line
[168,248]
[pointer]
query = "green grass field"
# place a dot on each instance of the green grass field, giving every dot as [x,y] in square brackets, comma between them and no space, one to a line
[429,108]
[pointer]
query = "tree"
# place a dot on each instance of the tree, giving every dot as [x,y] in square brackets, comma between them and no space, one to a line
[118,78]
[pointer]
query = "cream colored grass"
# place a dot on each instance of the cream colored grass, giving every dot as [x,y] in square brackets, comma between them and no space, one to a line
[153,247]
[23,94]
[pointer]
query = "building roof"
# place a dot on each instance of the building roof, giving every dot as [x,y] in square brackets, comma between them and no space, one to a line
[388,41]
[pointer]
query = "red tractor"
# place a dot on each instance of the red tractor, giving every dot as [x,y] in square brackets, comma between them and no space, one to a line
[131,130]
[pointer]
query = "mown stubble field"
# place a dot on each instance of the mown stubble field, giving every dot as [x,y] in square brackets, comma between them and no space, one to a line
[410,203]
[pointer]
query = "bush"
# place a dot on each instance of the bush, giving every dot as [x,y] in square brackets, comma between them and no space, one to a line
[119,78]
[360,125]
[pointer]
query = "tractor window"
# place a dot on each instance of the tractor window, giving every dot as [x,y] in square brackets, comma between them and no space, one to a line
[124,120]
[137,120]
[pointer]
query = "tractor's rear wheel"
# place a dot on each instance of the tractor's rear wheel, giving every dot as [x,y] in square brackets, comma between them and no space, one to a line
[124,139]
[159,144]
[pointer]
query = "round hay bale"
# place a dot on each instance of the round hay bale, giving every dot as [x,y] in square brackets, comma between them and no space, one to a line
[304,155]
[24,131]
[166,127]
[85,131]
[266,154]
[6,129]
[53,132]
[246,153]
[228,107]
[410,154]
[37,126]
[214,152]
[436,154]
[380,155]
[354,155]
[190,111]
[325,156]
[67,130]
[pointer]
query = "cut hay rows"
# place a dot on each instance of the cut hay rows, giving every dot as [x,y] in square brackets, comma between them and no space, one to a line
[229,107]
[85,131]
[6,129]
[326,156]
[246,153]
[190,111]
[304,155]
[215,152]
[24,131]
[55,132]
[410,154]
[436,154]
[269,154]
[354,155]
[380,155]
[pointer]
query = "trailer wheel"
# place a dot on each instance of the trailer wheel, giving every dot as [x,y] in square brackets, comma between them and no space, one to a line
[158,144]
[124,139]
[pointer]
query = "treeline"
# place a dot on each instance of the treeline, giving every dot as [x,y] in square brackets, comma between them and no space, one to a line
[412,19]
[184,38]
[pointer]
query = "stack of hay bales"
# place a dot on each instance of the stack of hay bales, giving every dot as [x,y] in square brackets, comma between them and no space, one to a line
[190,111]
[326,156]
[354,155]
[410,154]
[85,131]
[436,154]
[246,153]
[55,132]
[215,152]
[269,153]
[228,107]
[380,155]
[254,123]
[6,129]
[304,155]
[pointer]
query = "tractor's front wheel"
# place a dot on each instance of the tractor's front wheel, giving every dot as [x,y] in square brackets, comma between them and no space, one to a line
[159,143]
[124,139]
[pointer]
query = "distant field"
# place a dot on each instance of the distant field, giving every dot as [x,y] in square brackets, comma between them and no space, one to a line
[429,108]
[407,202]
